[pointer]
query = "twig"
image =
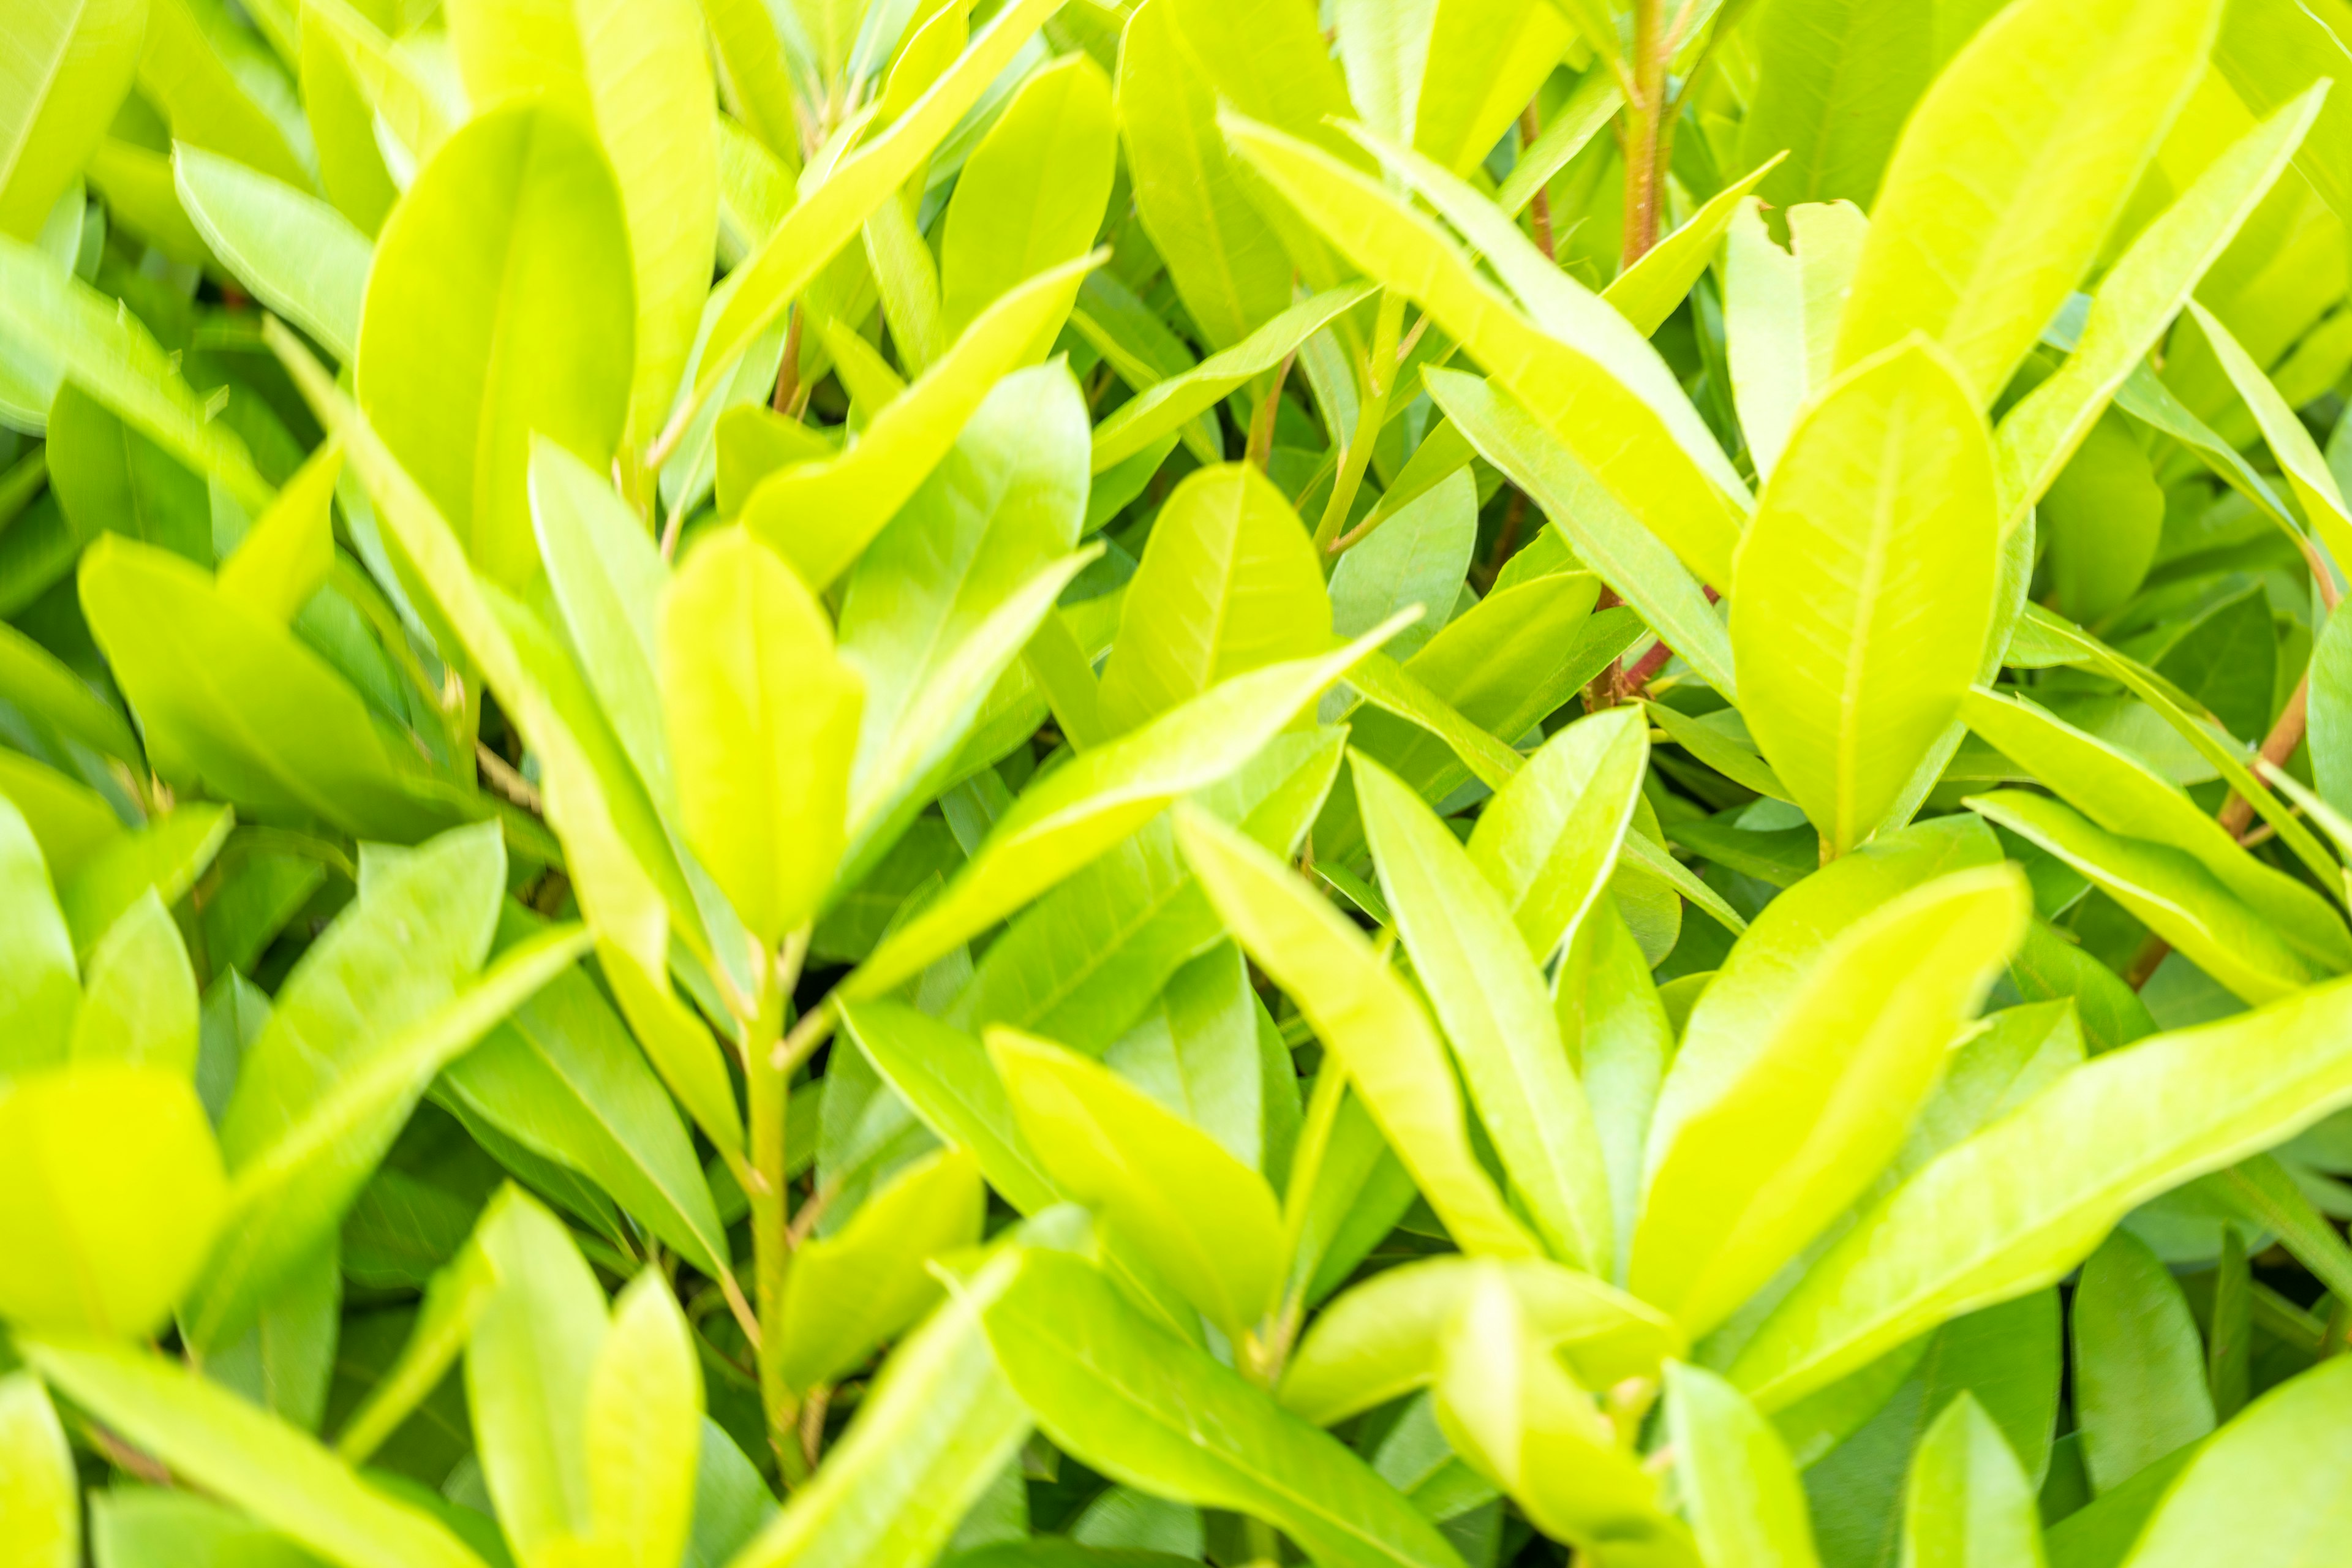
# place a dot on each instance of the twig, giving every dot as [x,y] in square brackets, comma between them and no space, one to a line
[1539,203]
[503,778]
[1260,450]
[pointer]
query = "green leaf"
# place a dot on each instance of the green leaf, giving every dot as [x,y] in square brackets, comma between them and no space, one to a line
[2139,296]
[869,1280]
[1149,1410]
[40,1514]
[71,67]
[644,1431]
[229,695]
[640,76]
[1550,839]
[947,1078]
[531,1367]
[110,1191]
[2165,888]
[71,823]
[1582,370]
[1866,588]
[762,720]
[1083,964]
[1382,1339]
[1421,560]
[1190,1209]
[1031,194]
[140,999]
[2307,473]
[1781,315]
[1228,583]
[1507,1406]
[40,985]
[1486,59]
[247,1457]
[1489,996]
[1738,1486]
[37,682]
[52,320]
[2119,792]
[1169,404]
[2140,1385]
[2269,1487]
[1740,1179]
[941,603]
[1650,291]
[290,552]
[1968,1505]
[823,513]
[498,306]
[1364,1014]
[2271,52]
[1225,258]
[1100,797]
[453,1301]
[189,69]
[562,1078]
[167,855]
[932,1433]
[831,215]
[2009,176]
[299,256]
[1608,536]
[375,1009]
[2016,1207]
[1835,80]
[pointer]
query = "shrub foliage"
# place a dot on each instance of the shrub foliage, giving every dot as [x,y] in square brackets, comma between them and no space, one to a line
[1408,785]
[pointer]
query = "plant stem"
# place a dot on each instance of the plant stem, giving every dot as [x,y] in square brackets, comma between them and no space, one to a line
[1645,131]
[1260,450]
[767,1083]
[2236,814]
[1539,203]
[1380,370]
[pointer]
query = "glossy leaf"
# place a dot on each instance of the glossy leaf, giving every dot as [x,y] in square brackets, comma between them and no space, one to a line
[1738,1486]
[1968,1503]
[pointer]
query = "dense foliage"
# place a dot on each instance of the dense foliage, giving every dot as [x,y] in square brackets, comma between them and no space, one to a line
[857,783]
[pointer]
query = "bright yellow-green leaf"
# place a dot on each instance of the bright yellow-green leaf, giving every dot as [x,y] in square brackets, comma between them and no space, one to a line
[1488,993]
[52,320]
[1866,588]
[1745,1502]
[822,515]
[1382,1339]
[2138,297]
[2314,485]
[2010,172]
[1228,583]
[111,1189]
[1781,315]
[1205,1221]
[1651,289]
[246,1456]
[1366,1016]
[1031,195]
[762,719]
[1486,59]
[1082,809]
[2019,1205]
[832,214]
[68,63]
[40,1511]
[640,73]
[2269,1488]
[40,987]
[643,1420]
[299,256]
[1226,261]
[139,1002]
[1742,1180]
[867,1281]
[499,306]
[201,94]
[1637,438]
[1512,1412]
[1968,1503]
[286,554]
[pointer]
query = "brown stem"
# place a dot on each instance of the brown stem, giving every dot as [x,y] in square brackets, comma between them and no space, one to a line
[1538,205]
[1507,537]
[2277,747]
[1260,450]
[1646,142]
[788,371]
